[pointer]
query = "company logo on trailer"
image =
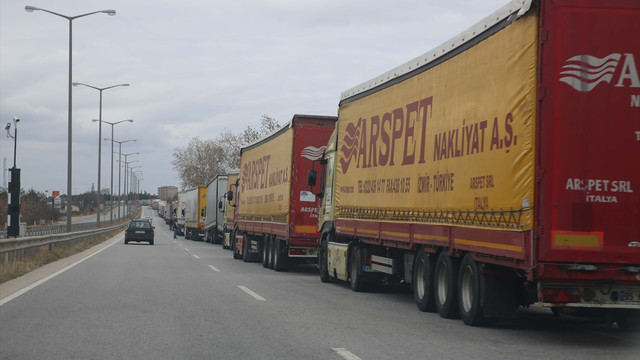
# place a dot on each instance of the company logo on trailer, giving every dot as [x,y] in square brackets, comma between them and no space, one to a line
[313,153]
[585,72]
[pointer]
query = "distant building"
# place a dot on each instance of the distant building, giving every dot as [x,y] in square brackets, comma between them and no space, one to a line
[167,193]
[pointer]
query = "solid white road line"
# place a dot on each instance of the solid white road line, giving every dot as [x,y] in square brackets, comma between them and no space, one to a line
[214,268]
[250,292]
[42,281]
[346,354]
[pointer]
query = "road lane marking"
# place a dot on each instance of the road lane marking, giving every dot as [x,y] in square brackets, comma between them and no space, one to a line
[346,354]
[42,281]
[195,256]
[250,292]
[214,268]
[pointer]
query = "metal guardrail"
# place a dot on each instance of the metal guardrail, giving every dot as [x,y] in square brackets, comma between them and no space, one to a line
[23,247]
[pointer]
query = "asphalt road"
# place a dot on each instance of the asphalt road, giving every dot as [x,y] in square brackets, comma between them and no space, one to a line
[180,299]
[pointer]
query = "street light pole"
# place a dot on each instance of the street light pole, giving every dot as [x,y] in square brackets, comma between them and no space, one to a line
[99,140]
[119,161]
[126,177]
[69,109]
[111,186]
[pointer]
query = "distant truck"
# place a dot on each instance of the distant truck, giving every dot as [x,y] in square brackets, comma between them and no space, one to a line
[229,208]
[276,214]
[161,206]
[180,212]
[192,212]
[216,204]
[498,170]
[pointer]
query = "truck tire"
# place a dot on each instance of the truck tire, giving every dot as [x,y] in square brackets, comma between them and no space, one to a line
[272,250]
[355,264]
[471,308]
[266,251]
[278,260]
[323,265]
[446,285]
[423,279]
[245,248]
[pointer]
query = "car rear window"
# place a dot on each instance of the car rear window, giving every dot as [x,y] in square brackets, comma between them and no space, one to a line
[141,225]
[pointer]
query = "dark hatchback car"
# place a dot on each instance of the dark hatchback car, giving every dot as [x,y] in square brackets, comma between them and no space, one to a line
[139,230]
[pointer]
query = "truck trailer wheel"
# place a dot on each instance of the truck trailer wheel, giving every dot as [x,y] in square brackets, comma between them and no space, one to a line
[446,284]
[471,309]
[323,266]
[423,270]
[278,260]
[272,249]
[266,251]
[355,264]
[245,248]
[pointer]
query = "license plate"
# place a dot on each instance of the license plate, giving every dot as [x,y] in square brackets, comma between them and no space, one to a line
[139,232]
[629,296]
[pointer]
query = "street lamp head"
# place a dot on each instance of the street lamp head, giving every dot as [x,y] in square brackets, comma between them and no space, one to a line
[30,8]
[16,119]
[110,12]
[8,127]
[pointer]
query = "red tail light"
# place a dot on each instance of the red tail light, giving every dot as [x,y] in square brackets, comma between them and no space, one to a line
[551,295]
[298,252]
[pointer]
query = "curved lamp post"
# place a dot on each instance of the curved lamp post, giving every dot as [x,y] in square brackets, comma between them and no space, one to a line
[111,186]
[70,18]
[99,137]
[119,160]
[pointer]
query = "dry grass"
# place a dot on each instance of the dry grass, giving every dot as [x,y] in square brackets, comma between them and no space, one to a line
[12,270]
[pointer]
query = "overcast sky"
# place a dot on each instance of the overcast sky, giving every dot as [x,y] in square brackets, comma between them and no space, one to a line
[196,68]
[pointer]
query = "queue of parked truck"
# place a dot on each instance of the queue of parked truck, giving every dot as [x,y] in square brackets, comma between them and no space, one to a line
[498,170]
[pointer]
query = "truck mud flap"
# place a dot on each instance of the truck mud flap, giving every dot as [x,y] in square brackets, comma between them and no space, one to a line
[498,295]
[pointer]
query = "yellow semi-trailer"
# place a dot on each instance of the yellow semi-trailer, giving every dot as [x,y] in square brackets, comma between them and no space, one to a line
[499,169]
[194,202]
[276,214]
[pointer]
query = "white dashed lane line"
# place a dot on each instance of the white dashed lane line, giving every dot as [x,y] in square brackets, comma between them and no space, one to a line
[346,354]
[195,256]
[252,293]
[214,268]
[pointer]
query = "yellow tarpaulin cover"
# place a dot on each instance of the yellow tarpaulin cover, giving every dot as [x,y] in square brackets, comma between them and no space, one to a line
[265,178]
[455,139]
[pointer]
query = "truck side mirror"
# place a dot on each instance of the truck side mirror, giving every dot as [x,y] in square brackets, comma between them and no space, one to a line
[230,196]
[312,176]
[220,204]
